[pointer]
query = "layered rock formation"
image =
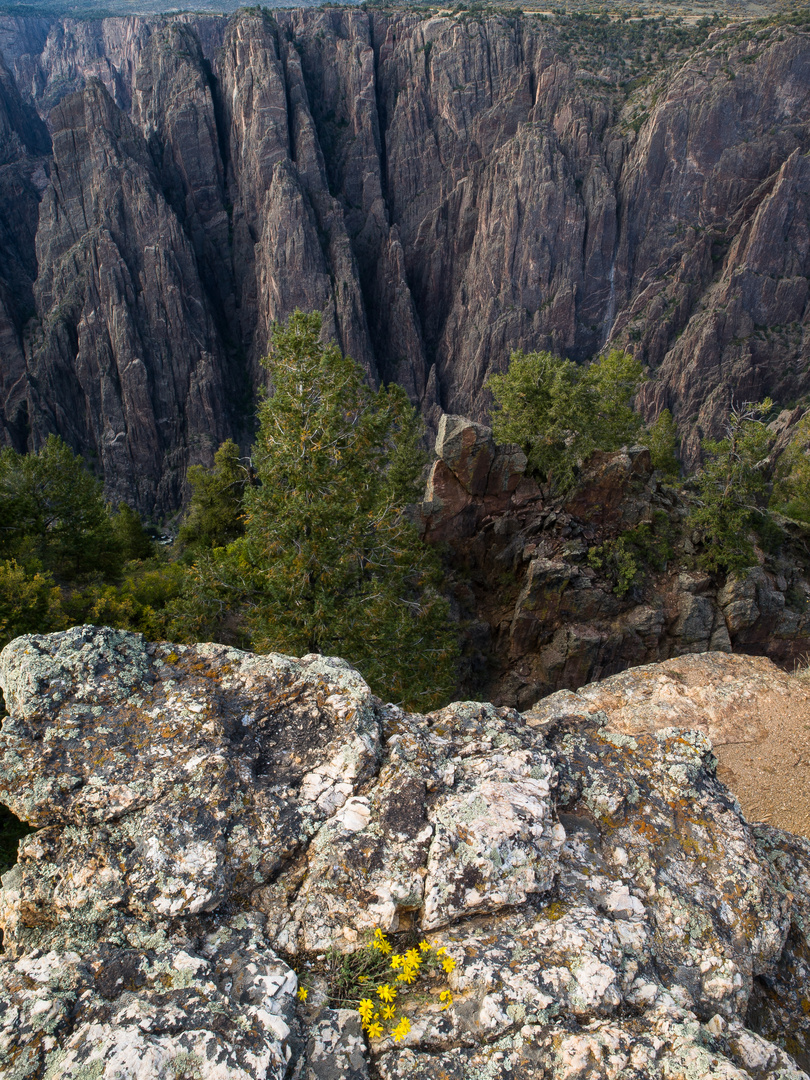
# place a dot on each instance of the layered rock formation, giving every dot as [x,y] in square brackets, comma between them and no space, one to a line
[210,822]
[532,575]
[443,190]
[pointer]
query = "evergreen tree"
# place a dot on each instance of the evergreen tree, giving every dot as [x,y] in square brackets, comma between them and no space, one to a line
[607,388]
[214,516]
[662,439]
[792,488]
[133,540]
[53,515]
[731,489]
[559,413]
[331,560]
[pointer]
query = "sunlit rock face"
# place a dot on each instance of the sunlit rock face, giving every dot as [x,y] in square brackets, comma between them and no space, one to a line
[211,822]
[442,190]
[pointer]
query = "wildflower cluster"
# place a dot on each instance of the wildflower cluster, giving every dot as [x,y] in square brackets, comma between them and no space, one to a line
[378,1011]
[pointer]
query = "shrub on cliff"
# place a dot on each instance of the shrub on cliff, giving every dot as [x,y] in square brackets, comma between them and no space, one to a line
[791,495]
[559,412]
[731,489]
[331,560]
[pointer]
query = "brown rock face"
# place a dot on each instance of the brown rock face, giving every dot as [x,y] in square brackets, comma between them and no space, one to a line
[442,190]
[543,606]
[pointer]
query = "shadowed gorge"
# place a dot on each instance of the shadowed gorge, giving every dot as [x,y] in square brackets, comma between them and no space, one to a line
[442,190]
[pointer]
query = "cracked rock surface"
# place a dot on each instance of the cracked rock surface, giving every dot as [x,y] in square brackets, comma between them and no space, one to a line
[210,822]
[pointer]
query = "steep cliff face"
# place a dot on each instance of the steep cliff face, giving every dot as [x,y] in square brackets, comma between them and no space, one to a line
[543,601]
[443,190]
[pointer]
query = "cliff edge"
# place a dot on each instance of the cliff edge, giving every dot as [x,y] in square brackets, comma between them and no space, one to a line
[215,829]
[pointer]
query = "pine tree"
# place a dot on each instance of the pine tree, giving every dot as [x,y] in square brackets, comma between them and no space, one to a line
[559,413]
[331,560]
[731,489]
[53,515]
[214,516]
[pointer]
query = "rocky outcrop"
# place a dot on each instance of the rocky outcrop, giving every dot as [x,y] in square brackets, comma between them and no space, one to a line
[542,604]
[211,822]
[444,190]
[471,480]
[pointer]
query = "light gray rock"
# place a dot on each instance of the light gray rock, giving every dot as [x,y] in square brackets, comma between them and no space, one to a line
[210,818]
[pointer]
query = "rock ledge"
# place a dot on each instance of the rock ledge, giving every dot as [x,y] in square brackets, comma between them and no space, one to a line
[210,821]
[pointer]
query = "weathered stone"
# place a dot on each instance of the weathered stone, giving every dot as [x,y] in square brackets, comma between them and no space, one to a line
[256,751]
[336,1048]
[472,479]
[156,1007]
[604,902]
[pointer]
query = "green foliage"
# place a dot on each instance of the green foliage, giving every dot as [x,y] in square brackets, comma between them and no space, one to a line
[29,603]
[608,387]
[132,539]
[625,559]
[214,516]
[559,413]
[331,560]
[52,514]
[143,600]
[791,494]
[67,558]
[731,489]
[376,981]
[662,439]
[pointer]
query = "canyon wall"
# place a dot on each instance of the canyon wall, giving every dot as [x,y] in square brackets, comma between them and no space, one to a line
[443,190]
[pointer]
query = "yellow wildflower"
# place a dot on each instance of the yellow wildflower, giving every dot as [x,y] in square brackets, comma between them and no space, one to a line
[446,999]
[374,1030]
[441,951]
[448,964]
[425,946]
[412,957]
[302,993]
[388,1012]
[386,993]
[381,942]
[407,976]
[397,960]
[366,1010]
[402,1028]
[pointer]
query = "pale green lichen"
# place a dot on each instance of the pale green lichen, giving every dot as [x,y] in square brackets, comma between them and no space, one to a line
[187,1066]
[516,1013]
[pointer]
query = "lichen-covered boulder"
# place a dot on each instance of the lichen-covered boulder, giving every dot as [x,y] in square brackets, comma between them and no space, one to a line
[214,1002]
[212,824]
[167,779]
[460,821]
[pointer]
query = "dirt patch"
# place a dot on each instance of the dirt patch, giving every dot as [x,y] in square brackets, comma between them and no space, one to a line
[756,715]
[770,774]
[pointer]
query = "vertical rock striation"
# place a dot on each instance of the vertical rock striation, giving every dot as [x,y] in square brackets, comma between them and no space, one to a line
[443,190]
